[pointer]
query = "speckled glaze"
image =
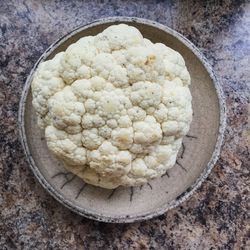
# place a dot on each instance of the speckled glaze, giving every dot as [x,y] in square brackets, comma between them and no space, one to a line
[28,132]
[215,217]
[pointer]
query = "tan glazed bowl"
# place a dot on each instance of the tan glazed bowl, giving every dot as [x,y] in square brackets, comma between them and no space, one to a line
[199,152]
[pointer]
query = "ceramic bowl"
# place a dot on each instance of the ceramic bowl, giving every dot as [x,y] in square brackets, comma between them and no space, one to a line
[199,152]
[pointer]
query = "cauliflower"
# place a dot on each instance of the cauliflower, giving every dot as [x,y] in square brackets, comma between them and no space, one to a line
[114,107]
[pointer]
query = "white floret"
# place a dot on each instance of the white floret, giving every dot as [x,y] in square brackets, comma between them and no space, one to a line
[118,37]
[146,94]
[77,59]
[122,137]
[65,111]
[46,83]
[108,160]
[90,139]
[147,132]
[65,146]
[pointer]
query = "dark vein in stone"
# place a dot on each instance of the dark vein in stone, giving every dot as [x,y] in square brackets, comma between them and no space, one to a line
[178,163]
[68,181]
[81,189]
[150,186]
[112,193]
[183,150]
[131,193]
[99,178]
[166,174]
[192,136]
[65,174]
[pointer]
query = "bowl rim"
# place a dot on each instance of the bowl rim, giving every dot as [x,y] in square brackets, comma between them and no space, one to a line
[174,203]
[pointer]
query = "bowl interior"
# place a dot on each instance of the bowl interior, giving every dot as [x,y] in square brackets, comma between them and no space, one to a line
[129,204]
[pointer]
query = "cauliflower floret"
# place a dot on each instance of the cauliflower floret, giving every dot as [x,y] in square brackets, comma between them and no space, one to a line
[144,63]
[118,37]
[122,137]
[114,107]
[118,76]
[108,160]
[161,113]
[147,132]
[137,114]
[77,59]
[65,146]
[124,121]
[90,139]
[105,132]
[65,111]
[102,65]
[139,168]
[146,94]
[92,121]
[46,83]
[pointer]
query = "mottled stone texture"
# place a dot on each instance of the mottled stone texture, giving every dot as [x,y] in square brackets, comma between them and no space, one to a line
[216,215]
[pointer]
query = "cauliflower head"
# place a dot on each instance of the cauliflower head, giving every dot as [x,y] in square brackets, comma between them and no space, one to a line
[114,107]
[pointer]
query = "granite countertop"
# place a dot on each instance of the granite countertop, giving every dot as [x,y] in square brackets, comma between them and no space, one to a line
[216,215]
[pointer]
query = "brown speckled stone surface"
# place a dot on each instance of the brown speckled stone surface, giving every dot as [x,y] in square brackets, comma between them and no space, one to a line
[216,217]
